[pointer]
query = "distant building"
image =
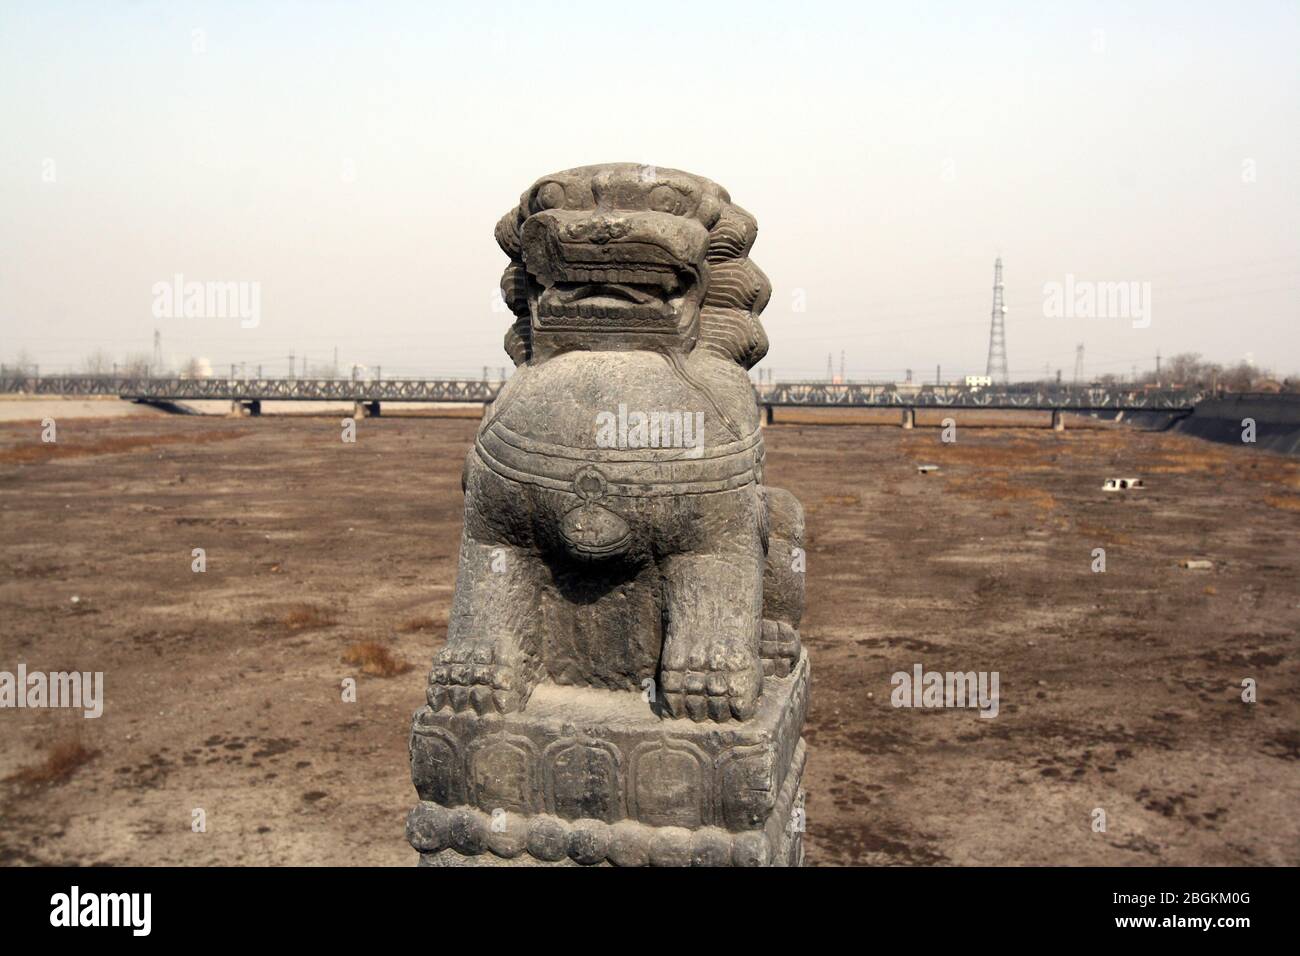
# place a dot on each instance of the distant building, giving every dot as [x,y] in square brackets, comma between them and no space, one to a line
[979,381]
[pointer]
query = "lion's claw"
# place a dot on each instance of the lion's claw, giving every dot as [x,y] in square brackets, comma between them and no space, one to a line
[468,676]
[717,695]
[779,647]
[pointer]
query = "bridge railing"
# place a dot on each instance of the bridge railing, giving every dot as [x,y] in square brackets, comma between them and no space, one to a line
[258,389]
[806,394]
[865,395]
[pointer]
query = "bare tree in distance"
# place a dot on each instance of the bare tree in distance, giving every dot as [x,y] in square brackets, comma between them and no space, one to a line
[97,362]
[196,368]
[137,365]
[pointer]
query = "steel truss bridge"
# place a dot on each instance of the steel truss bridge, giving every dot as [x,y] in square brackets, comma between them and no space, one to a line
[1083,398]
[1033,396]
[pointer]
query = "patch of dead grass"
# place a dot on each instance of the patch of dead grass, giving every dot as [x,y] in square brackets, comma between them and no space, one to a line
[841,499]
[1018,454]
[307,617]
[38,451]
[62,761]
[996,489]
[1283,502]
[424,624]
[1096,532]
[374,659]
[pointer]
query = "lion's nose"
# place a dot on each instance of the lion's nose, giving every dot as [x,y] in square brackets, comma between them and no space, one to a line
[598,230]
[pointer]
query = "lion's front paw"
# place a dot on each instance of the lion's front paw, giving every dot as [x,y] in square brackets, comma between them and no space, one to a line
[470,675]
[713,686]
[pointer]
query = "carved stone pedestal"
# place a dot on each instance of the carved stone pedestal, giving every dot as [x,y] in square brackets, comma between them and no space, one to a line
[587,776]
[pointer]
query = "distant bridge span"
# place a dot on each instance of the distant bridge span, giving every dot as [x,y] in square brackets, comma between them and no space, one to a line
[1033,396]
[367,395]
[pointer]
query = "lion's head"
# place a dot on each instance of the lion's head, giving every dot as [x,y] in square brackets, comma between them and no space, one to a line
[622,256]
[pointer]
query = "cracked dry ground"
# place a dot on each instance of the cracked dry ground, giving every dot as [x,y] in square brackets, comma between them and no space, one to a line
[1119,691]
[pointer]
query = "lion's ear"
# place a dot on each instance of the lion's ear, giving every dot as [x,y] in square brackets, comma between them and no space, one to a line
[507,232]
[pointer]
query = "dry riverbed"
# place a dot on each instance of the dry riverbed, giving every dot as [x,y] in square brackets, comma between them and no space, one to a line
[1119,691]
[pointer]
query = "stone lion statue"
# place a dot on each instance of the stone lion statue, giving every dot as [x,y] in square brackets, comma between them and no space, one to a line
[617,530]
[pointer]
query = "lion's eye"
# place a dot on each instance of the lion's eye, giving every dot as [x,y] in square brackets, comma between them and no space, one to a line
[666,199]
[550,196]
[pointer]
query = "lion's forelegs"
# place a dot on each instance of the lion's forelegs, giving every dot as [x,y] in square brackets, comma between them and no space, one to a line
[493,642]
[710,666]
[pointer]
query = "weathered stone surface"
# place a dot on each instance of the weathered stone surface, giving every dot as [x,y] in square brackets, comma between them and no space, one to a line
[623,673]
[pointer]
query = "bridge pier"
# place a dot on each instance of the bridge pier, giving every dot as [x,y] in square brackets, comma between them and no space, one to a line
[767,416]
[909,418]
[1058,420]
[240,408]
[362,410]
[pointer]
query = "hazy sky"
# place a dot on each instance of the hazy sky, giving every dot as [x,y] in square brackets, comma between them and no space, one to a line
[353,158]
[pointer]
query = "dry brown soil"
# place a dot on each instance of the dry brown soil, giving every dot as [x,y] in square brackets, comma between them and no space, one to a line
[1120,691]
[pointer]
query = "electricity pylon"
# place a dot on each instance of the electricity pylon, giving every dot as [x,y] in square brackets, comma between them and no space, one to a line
[997,364]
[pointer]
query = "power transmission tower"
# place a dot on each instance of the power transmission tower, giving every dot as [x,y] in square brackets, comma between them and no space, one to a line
[1078,363]
[997,364]
[830,374]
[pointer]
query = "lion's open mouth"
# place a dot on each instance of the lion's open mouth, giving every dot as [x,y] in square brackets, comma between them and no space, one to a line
[619,280]
[631,291]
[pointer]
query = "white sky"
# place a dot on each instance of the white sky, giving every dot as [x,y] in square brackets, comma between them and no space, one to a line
[353,158]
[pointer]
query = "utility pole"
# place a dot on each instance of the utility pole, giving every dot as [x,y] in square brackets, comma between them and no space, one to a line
[938,377]
[997,363]
[291,365]
[1157,366]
